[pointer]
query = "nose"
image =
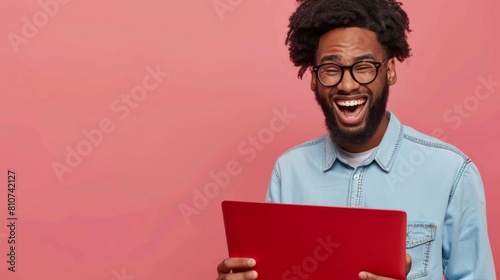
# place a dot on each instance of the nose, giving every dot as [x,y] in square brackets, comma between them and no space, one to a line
[347,84]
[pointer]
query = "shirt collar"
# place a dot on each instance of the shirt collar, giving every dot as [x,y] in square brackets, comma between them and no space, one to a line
[384,155]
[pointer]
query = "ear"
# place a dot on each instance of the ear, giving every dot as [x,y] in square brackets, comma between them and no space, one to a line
[314,81]
[392,77]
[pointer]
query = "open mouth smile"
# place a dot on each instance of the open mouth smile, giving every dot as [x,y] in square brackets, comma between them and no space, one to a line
[350,111]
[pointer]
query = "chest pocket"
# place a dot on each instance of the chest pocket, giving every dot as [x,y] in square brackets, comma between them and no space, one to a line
[419,239]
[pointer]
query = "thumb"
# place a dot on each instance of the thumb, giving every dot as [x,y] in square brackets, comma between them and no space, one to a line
[367,276]
[408,264]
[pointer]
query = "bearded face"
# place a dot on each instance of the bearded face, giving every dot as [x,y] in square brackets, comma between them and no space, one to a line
[351,84]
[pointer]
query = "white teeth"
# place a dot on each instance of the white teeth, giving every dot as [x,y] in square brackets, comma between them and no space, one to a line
[350,102]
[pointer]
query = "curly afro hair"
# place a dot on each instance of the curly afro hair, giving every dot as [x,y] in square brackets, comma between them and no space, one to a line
[313,18]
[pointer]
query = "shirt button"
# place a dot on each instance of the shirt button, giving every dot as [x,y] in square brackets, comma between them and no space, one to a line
[356,177]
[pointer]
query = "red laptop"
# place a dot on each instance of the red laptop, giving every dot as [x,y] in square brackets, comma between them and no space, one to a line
[295,242]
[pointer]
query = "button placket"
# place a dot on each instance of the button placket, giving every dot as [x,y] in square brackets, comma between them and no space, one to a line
[356,188]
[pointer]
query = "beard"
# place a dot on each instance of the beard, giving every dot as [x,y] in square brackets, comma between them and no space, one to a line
[358,137]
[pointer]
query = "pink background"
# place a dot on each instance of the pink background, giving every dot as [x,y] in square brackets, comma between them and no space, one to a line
[115,213]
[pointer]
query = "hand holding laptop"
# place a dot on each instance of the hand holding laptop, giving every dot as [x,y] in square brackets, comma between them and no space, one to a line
[291,241]
[225,267]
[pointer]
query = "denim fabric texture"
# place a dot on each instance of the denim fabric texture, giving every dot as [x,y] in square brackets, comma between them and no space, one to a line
[438,187]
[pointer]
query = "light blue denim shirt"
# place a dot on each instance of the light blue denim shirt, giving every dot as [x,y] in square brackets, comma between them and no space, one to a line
[438,187]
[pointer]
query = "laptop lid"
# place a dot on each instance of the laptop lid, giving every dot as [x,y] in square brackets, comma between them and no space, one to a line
[296,242]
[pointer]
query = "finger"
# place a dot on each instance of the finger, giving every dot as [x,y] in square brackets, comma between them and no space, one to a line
[408,264]
[234,263]
[370,276]
[249,275]
[366,276]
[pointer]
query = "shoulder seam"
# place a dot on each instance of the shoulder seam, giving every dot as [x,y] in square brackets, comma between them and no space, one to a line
[458,178]
[443,146]
[276,173]
[306,144]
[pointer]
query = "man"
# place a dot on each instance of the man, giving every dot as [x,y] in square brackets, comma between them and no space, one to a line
[369,159]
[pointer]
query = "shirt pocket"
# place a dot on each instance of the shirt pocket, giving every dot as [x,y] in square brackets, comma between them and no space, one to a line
[419,239]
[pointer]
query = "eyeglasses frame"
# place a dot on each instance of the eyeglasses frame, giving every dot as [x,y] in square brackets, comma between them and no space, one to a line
[377,65]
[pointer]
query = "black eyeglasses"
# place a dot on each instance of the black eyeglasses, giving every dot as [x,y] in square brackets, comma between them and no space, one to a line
[363,72]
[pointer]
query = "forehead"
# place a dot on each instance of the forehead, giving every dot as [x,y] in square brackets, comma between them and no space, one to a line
[346,44]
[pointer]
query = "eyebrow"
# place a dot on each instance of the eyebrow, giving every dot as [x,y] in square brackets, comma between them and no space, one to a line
[337,58]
